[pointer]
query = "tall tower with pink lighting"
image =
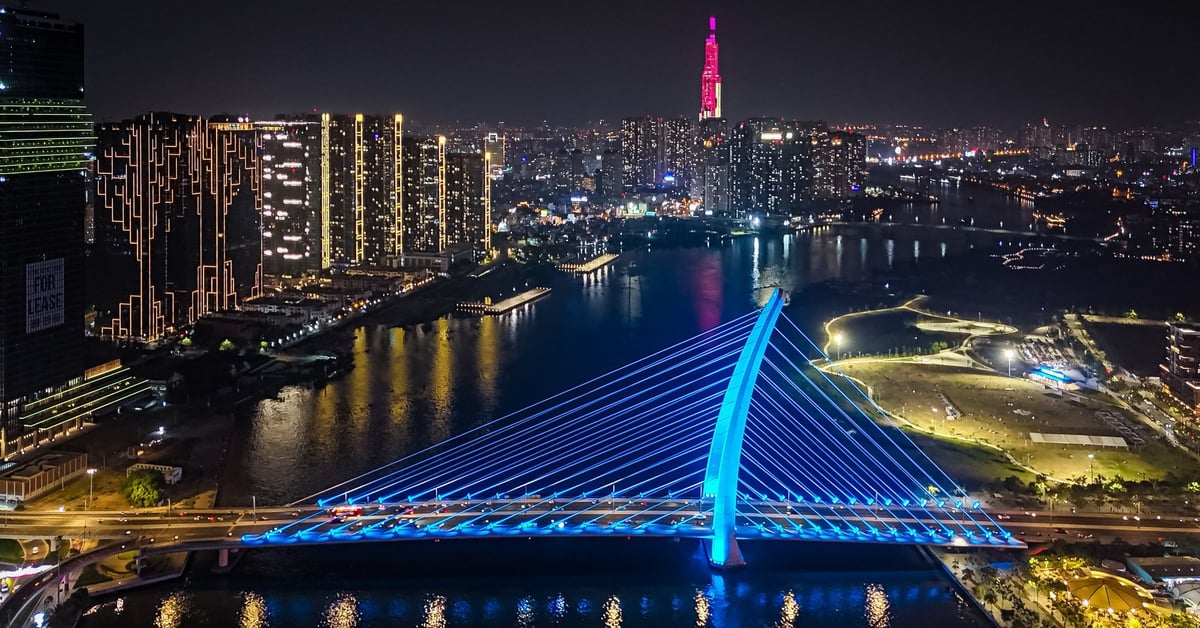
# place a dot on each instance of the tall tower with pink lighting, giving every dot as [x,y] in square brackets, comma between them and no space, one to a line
[710,79]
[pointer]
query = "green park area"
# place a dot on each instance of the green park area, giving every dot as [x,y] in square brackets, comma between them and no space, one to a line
[994,410]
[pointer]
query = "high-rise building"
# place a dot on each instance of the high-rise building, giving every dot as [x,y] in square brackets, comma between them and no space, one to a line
[710,77]
[291,196]
[46,140]
[420,194]
[178,222]
[466,186]
[359,177]
[712,166]
[839,164]
[770,167]
[657,152]
[1180,370]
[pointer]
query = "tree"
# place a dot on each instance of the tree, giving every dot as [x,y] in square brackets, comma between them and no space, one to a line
[142,488]
[226,345]
[1179,317]
[1131,313]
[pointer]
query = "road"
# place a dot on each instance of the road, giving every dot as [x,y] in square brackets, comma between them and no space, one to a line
[535,515]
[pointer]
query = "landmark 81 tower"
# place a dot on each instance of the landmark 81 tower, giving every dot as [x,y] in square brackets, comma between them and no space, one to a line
[710,79]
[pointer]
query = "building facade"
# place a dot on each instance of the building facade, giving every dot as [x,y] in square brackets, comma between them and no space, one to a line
[178,222]
[770,167]
[1180,370]
[46,137]
[291,196]
[657,153]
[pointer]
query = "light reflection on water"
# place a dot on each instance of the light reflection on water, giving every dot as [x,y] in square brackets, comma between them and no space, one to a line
[414,386]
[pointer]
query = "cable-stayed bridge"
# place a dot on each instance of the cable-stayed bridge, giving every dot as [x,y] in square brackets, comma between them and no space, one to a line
[732,434]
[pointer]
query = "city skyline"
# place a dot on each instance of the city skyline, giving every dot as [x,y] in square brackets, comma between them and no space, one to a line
[846,64]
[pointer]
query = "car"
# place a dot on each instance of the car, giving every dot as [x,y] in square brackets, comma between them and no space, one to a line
[36,549]
[129,532]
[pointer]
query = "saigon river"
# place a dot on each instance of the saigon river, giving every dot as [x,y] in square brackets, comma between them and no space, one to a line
[414,386]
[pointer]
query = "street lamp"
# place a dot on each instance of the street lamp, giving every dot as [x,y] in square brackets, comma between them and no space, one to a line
[837,338]
[91,477]
[1090,458]
[1008,353]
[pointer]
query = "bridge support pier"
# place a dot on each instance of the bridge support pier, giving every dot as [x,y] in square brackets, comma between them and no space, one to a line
[725,453]
[223,559]
[724,553]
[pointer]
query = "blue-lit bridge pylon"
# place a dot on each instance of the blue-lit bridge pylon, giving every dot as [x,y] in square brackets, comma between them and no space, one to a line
[730,435]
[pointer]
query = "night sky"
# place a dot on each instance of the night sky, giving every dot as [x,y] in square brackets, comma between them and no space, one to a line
[442,61]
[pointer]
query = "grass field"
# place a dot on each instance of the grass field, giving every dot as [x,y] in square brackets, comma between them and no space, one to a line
[1002,411]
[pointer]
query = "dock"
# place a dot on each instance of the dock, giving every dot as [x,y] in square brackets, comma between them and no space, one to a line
[592,265]
[500,307]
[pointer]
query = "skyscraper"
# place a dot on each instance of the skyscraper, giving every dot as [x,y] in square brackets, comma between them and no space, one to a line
[420,189]
[710,77]
[657,152]
[839,161]
[712,166]
[360,173]
[46,141]
[178,221]
[291,212]
[770,166]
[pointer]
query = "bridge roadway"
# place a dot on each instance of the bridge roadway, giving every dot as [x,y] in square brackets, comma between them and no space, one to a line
[155,531]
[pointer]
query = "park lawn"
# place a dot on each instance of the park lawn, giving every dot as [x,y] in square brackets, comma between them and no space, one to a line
[971,465]
[988,401]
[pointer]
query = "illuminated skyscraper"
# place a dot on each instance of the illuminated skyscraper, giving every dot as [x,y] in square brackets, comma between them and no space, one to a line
[291,210]
[712,166]
[46,140]
[770,167]
[657,152]
[178,221]
[466,189]
[839,164]
[446,197]
[710,78]
[420,194]
[360,173]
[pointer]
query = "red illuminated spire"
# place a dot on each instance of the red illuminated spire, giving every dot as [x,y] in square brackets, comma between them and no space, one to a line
[710,79]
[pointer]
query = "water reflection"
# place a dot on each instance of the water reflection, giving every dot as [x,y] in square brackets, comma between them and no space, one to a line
[877,609]
[703,610]
[342,613]
[558,607]
[487,363]
[612,612]
[254,611]
[526,612]
[435,613]
[789,611]
[173,610]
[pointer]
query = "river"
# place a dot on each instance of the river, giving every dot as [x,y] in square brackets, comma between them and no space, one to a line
[414,386]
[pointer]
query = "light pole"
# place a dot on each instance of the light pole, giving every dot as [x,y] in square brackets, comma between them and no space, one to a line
[837,338]
[1008,353]
[91,476]
[1090,458]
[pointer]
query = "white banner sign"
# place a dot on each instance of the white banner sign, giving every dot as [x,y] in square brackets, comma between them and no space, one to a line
[44,303]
